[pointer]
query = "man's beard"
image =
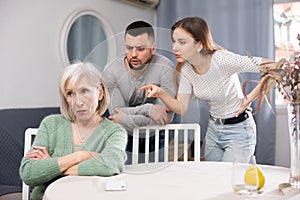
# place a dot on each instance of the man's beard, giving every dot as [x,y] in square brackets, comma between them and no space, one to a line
[142,66]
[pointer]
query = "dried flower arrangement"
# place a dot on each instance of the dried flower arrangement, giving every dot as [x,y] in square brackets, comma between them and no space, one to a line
[285,77]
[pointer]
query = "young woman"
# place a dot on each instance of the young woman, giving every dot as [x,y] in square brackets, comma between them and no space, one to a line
[79,141]
[211,73]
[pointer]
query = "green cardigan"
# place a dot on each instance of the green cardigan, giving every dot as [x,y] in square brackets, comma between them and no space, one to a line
[55,133]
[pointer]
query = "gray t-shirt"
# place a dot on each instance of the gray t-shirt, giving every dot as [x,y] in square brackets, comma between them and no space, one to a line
[123,89]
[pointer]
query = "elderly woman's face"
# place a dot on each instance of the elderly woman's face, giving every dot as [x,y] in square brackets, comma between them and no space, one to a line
[83,99]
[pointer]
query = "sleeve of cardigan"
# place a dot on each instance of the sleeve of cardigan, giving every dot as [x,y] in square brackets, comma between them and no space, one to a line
[111,159]
[38,172]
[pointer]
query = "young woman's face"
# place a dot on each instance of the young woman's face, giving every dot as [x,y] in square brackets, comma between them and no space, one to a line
[184,46]
[83,99]
[138,49]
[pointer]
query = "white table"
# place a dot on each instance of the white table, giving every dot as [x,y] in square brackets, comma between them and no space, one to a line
[204,180]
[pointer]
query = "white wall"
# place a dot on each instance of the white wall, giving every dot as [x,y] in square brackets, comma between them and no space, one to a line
[29,45]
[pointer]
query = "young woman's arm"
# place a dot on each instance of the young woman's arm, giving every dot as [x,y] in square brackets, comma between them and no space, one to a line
[178,105]
[261,87]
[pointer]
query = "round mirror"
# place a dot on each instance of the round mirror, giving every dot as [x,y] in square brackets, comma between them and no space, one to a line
[85,38]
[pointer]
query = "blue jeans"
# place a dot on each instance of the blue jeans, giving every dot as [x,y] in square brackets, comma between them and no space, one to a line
[223,141]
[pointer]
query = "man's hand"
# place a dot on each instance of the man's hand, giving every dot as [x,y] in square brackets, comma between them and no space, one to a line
[160,114]
[117,118]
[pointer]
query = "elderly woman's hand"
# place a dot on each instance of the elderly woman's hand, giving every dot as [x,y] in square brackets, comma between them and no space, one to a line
[81,156]
[39,153]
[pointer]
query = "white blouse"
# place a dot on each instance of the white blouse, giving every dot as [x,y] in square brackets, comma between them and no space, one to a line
[220,86]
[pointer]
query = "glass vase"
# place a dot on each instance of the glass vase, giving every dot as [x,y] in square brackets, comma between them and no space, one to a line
[294,134]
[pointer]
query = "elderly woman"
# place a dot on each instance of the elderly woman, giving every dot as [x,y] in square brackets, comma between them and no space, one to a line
[78,141]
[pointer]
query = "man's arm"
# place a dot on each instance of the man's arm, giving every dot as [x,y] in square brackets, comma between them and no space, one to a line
[135,116]
[141,115]
[158,115]
[261,87]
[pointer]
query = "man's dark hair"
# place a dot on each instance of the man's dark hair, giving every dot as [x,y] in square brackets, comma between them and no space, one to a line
[140,27]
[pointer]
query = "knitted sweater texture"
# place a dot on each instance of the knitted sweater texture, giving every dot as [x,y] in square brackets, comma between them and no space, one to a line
[55,133]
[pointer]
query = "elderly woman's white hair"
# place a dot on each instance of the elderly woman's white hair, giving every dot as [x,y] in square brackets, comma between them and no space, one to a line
[71,74]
